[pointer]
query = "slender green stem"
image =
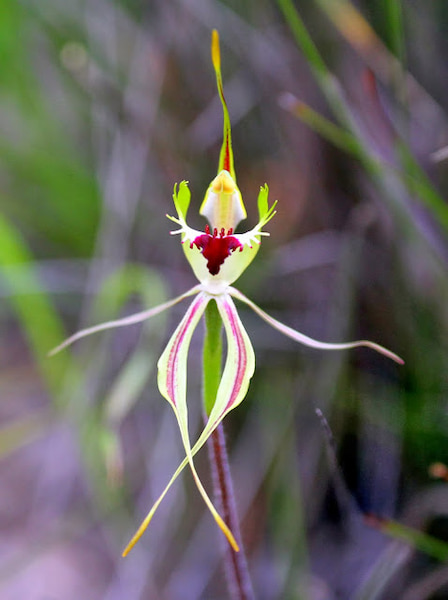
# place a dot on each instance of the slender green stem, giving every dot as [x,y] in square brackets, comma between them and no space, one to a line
[237,573]
[212,356]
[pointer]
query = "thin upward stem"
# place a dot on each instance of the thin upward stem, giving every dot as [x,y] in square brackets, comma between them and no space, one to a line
[237,573]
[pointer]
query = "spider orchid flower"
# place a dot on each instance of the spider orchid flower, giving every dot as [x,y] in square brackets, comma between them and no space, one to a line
[218,256]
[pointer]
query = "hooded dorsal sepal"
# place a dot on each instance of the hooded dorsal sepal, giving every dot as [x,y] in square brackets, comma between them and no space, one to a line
[223,205]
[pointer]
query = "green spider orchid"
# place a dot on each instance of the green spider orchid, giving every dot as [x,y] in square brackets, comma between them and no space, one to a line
[218,256]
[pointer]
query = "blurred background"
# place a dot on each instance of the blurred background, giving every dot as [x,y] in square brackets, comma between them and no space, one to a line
[341,108]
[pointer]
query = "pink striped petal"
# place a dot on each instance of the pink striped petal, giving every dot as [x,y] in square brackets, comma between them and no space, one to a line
[172,381]
[239,368]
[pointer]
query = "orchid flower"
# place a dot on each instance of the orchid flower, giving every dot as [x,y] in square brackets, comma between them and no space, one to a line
[218,256]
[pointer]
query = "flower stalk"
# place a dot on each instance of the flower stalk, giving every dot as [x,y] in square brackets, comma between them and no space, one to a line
[235,563]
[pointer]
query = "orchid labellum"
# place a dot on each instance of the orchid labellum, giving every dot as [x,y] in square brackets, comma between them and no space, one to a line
[218,256]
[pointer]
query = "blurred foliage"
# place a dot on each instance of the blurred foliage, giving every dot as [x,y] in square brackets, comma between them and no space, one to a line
[341,108]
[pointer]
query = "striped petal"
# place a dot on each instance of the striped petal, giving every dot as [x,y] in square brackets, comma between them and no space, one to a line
[172,381]
[238,370]
[307,341]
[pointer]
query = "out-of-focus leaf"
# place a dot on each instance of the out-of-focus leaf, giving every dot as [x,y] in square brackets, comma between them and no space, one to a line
[60,200]
[35,313]
[417,539]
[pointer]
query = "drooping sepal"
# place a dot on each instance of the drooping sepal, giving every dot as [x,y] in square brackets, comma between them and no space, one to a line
[238,370]
[172,381]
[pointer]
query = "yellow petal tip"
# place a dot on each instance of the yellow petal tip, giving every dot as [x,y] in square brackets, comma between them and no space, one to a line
[130,546]
[216,54]
[226,531]
[231,539]
[140,531]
